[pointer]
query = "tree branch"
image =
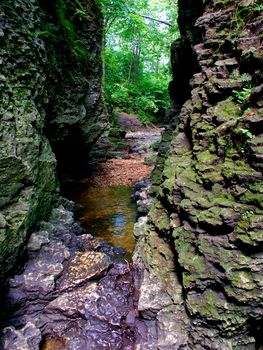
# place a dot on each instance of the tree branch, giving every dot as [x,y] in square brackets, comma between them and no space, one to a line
[108,24]
[153,19]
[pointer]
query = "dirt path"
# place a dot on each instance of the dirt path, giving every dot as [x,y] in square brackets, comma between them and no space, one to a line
[133,169]
[120,172]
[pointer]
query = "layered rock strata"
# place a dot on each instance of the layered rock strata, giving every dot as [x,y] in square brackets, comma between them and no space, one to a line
[51,95]
[200,251]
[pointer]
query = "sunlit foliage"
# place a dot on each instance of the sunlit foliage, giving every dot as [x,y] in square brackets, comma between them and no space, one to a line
[138,35]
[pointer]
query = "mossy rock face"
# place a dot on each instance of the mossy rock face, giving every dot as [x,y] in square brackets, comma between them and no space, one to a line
[12,175]
[159,217]
[249,230]
[208,187]
[49,97]
[212,305]
[225,111]
[150,160]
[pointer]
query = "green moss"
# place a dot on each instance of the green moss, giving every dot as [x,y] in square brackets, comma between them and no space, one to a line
[249,229]
[223,2]
[252,198]
[208,305]
[242,280]
[191,262]
[226,111]
[256,187]
[159,217]
[210,174]
[207,157]
[170,166]
[150,160]
[210,216]
[169,185]
[239,170]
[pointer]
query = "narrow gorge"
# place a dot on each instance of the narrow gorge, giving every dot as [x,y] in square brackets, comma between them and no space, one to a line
[194,280]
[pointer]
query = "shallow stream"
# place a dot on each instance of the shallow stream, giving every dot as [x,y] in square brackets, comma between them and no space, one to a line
[107,213]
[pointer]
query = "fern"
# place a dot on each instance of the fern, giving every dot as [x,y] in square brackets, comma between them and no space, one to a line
[245,78]
[242,96]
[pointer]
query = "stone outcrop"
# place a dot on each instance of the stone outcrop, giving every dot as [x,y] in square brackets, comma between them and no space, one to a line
[51,96]
[73,292]
[200,252]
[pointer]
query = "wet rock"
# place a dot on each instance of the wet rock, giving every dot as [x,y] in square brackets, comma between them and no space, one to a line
[256,94]
[37,240]
[227,62]
[142,197]
[55,344]
[141,142]
[42,276]
[153,297]
[27,338]
[71,294]
[78,303]
[84,266]
[140,227]
[171,328]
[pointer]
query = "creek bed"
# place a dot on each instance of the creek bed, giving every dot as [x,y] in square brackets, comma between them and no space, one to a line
[107,213]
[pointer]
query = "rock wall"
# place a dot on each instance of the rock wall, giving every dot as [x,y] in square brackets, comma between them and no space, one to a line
[200,252]
[51,95]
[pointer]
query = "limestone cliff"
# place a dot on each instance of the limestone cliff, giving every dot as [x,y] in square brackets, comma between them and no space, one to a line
[201,250]
[51,96]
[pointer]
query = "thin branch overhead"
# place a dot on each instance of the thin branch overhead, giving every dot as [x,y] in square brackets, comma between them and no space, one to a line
[154,19]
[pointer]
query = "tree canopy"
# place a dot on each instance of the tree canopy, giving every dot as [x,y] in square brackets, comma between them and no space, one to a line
[138,35]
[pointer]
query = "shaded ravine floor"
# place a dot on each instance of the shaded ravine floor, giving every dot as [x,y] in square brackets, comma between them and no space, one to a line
[74,292]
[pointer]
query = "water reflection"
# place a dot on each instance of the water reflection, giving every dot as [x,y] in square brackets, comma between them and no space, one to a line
[107,213]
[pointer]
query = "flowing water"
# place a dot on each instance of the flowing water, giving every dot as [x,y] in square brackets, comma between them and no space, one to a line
[107,213]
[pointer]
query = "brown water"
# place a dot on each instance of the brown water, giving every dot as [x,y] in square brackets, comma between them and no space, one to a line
[107,213]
